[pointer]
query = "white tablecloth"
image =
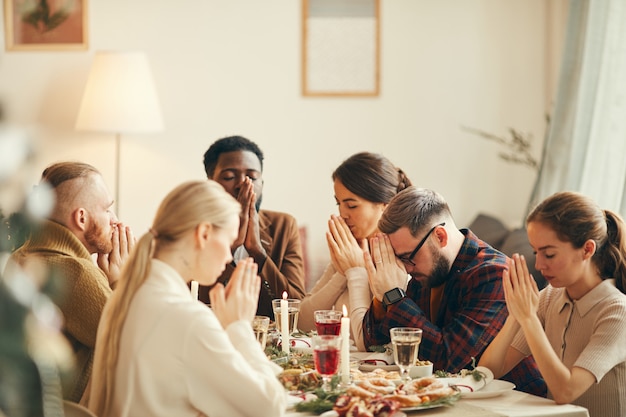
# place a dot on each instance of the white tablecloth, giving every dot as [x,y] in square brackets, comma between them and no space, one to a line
[520,404]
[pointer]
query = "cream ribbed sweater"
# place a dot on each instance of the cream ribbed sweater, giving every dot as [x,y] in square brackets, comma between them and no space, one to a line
[85,289]
[333,291]
[589,333]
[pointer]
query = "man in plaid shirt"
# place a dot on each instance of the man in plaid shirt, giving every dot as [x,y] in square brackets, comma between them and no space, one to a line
[455,291]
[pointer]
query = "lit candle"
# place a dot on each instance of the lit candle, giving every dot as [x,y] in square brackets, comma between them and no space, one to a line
[284,322]
[345,347]
[194,290]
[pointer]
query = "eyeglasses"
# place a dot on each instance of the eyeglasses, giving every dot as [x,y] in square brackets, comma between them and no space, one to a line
[408,259]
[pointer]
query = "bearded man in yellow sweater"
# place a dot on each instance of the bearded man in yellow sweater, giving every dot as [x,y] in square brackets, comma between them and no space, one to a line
[81,223]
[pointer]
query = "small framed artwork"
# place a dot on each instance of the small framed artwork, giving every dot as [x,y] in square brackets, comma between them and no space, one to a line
[340,48]
[45,25]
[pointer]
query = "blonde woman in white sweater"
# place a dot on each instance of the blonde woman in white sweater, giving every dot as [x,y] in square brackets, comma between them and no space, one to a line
[575,328]
[364,184]
[161,353]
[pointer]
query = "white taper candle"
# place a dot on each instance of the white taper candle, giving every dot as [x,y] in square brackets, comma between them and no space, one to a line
[194,290]
[284,322]
[345,347]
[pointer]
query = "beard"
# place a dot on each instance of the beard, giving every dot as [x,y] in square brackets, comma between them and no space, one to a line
[97,239]
[441,269]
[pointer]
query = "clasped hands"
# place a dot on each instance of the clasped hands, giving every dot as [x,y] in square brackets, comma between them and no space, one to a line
[345,251]
[249,232]
[238,301]
[384,270]
[520,290]
[123,241]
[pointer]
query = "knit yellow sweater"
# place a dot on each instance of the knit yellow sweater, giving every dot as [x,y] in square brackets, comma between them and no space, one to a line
[85,290]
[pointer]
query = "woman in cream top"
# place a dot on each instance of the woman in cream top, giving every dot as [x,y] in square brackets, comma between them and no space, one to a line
[364,184]
[161,353]
[575,327]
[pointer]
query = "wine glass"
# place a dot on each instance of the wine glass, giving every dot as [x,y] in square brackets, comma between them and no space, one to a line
[405,342]
[328,321]
[326,353]
[293,309]
[261,325]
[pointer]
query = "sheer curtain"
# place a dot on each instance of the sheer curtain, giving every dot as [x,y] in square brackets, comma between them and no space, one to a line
[585,149]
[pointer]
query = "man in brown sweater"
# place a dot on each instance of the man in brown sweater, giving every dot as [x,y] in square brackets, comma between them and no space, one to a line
[80,224]
[271,238]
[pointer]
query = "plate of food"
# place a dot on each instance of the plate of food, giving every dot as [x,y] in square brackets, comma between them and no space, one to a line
[298,373]
[424,393]
[495,388]
[382,398]
[418,394]
[379,357]
[476,383]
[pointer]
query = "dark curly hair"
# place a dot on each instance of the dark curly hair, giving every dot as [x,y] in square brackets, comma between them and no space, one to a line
[228,144]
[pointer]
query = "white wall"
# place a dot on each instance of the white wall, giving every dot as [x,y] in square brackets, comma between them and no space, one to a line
[227,67]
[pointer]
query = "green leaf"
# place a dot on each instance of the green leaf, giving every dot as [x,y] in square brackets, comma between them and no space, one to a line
[316,406]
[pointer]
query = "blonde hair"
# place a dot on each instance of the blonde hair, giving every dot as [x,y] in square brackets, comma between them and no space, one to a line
[182,210]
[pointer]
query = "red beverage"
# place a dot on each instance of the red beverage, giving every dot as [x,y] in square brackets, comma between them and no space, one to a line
[326,361]
[328,326]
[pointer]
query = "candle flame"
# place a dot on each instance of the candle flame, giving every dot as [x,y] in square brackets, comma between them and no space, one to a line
[345,311]
[284,295]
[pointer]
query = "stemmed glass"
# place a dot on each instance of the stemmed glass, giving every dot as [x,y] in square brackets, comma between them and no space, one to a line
[326,353]
[405,342]
[328,321]
[261,325]
[293,307]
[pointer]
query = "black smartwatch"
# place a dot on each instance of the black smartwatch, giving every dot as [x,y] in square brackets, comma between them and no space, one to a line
[393,296]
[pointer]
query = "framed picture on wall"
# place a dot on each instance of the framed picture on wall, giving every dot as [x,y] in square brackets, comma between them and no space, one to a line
[40,25]
[340,48]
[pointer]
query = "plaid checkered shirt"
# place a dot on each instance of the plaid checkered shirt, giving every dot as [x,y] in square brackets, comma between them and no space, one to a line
[471,313]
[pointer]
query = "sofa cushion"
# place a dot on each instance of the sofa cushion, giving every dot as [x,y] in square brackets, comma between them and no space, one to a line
[489,229]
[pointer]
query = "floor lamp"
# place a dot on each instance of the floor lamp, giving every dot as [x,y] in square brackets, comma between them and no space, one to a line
[119,98]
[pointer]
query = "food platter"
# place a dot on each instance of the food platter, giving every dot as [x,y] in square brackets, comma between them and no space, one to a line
[394,376]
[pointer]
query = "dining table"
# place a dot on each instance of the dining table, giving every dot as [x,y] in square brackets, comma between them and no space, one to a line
[509,403]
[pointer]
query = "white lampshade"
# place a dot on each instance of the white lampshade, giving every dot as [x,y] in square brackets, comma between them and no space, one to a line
[120,96]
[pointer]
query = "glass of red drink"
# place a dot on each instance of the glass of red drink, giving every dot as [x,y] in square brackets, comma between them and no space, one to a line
[326,354]
[328,321]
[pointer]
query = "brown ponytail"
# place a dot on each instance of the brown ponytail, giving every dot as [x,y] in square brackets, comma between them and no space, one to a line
[403,181]
[576,218]
[371,176]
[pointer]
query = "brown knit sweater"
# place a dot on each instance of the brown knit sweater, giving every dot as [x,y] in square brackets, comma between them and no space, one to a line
[85,289]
